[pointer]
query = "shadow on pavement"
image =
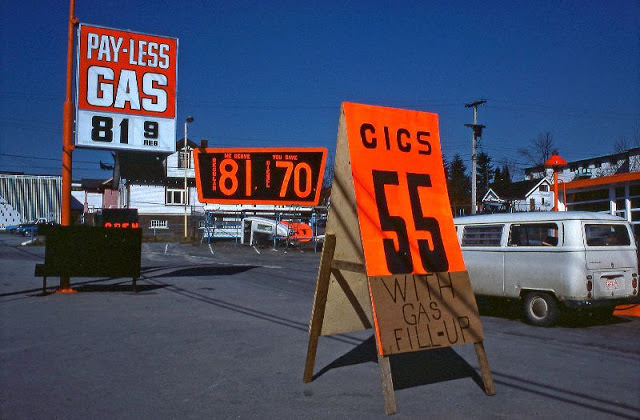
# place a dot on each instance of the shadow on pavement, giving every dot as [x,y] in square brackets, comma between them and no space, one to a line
[200,271]
[411,369]
[512,309]
[117,288]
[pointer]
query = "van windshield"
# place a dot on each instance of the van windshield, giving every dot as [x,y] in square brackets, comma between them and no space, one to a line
[606,235]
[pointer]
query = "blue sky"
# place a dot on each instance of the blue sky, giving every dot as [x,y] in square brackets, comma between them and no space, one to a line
[268,73]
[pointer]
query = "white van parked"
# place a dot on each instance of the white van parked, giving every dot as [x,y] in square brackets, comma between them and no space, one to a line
[551,260]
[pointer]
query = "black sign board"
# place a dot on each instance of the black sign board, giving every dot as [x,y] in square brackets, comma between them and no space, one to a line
[260,176]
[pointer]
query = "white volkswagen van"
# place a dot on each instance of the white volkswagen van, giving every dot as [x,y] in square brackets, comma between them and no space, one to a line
[551,260]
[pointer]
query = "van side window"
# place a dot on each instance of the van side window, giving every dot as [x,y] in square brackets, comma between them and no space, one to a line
[534,234]
[487,235]
[606,235]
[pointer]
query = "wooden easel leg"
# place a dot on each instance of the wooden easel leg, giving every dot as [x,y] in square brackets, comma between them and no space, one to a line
[319,304]
[387,385]
[487,379]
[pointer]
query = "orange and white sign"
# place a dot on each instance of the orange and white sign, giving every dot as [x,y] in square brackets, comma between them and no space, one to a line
[400,187]
[126,86]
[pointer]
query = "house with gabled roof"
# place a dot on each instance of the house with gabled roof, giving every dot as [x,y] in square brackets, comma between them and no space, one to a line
[527,195]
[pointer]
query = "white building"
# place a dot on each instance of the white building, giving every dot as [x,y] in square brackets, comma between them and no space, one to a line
[32,196]
[527,195]
[595,167]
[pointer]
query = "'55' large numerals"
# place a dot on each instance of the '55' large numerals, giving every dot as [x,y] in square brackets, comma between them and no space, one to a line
[399,261]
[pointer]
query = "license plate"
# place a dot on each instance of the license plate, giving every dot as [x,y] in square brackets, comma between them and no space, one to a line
[611,284]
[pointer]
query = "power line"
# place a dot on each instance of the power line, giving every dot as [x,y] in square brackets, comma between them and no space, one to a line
[46,158]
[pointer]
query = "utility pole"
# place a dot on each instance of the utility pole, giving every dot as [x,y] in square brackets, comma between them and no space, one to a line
[477,133]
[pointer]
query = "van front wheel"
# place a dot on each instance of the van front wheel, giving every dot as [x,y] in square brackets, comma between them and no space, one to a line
[540,309]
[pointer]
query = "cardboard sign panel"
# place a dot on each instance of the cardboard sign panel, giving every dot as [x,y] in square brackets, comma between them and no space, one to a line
[260,176]
[126,90]
[347,301]
[401,195]
[416,312]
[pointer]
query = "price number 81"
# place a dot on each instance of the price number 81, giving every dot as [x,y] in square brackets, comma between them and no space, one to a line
[297,174]
[102,129]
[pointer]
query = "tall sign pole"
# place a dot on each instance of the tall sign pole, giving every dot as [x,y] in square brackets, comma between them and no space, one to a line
[67,135]
[67,124]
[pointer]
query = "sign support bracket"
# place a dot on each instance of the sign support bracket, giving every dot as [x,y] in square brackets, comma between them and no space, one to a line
[487,378]
[327,263]
[319,304]
[387,384]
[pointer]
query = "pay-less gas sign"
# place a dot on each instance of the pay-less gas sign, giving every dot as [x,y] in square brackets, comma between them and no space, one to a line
[126,90]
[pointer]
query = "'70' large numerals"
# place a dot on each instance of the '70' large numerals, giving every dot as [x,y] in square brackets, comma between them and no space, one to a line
[399,260]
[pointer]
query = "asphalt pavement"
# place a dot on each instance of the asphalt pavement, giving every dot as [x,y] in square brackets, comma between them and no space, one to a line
[221,331]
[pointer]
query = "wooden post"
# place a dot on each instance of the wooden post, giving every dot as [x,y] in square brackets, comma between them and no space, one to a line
[487,379]
[387,384]
[319,304]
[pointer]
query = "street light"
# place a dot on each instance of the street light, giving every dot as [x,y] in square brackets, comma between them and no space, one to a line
[185,151]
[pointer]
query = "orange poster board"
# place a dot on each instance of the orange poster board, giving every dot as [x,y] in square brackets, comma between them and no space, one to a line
[401,193]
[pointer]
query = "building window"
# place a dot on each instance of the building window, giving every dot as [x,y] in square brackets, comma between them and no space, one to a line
[182,156]
[544,188]
[175,197]
[159,224]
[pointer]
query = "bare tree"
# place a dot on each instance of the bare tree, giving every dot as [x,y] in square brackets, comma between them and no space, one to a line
[539,150]
[621,145]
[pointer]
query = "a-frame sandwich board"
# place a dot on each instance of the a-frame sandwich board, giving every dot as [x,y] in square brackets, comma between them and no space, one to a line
[391,260]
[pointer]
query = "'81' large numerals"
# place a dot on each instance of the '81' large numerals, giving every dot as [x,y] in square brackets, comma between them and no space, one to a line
[102,129]
[399,261]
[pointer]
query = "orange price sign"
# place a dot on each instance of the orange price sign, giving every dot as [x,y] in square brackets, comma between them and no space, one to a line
[260,175]
[402,201]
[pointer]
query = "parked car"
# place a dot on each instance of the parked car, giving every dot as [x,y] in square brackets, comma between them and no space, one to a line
[551,261]
[32,228]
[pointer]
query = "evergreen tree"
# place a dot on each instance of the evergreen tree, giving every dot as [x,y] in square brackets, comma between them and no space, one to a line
[502,178]
[484,176]
[459,185]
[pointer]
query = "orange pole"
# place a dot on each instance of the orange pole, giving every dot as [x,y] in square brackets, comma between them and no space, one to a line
[67,125]
[555,189]
[67,134]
